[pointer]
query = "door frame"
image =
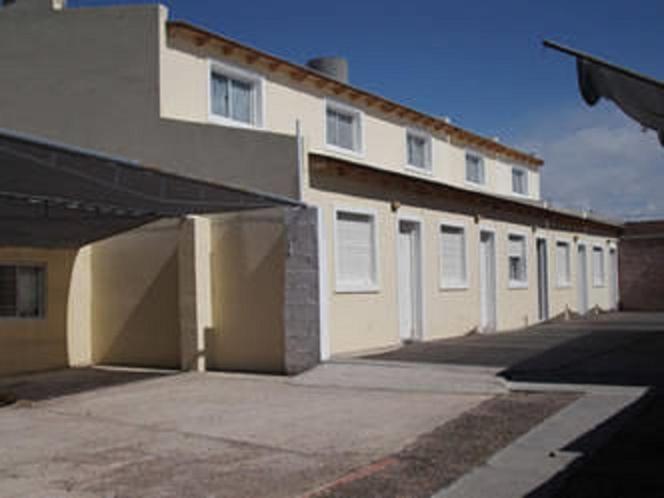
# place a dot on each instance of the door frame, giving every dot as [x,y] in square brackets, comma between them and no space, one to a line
[494,236]
[420,332]
[544,239]
[323,286]
[614,282]
[579,244]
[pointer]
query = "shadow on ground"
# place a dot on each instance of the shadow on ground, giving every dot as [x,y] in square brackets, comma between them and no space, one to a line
[49,385]
[617,349]
[613,349]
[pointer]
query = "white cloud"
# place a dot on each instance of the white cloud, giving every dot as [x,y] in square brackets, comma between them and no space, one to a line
[597,158]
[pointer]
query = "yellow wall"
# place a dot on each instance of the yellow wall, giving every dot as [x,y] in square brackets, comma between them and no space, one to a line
[79,322]
[361,321]
[135,301]
[28,345]
[184,86]
[248,256]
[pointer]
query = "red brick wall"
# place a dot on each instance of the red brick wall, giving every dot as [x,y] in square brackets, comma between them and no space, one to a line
[641,260]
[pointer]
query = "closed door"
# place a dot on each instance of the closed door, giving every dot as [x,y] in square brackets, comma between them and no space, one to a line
[410,278]
[582,279]
[487,282]
[613,279]
[542,279]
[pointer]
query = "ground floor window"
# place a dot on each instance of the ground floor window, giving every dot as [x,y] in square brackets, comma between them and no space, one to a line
[452,257]
[563,263]
[517,260]
[22,291]
[356,251]
[598,266]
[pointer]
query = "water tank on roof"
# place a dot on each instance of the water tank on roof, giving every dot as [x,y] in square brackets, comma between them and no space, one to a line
[334,67]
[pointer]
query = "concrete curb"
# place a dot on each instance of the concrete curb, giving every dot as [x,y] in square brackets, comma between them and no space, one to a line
[407,377]
[539,462]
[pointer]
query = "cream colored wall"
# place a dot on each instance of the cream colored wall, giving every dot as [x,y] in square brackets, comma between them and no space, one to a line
[28,345]
[184,73]
[135,300]
[79,310]
[364,321]
[247,271]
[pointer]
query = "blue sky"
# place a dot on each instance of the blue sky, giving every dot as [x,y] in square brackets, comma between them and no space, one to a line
[482,64]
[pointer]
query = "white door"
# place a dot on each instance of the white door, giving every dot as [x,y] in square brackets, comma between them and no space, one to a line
[613,279]
[487,282]
[410,278]
[582,279]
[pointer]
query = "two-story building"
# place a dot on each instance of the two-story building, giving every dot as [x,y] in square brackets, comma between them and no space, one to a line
[423,229]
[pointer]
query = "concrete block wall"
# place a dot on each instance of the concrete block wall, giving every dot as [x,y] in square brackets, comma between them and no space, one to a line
[301,302]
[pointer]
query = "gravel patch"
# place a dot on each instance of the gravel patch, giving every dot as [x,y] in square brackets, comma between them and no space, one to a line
[438,458]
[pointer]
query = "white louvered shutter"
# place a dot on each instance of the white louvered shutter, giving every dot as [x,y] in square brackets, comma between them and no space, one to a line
[355,244]
[453,256]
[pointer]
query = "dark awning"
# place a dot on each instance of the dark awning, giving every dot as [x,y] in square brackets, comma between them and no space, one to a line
[53,195]
[638,96]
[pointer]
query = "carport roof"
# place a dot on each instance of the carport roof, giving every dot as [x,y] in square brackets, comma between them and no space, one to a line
[58,196]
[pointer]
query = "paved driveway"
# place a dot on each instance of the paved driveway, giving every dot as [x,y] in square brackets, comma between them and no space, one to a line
[200,435]
[618,349]
[610,349]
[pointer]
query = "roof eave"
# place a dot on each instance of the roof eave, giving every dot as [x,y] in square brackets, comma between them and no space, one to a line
[300,73]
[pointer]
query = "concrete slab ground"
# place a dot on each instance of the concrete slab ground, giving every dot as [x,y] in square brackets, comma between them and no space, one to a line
[616,360]
[199,435]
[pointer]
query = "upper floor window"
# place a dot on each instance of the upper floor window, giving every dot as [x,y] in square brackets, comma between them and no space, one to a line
[356,251]
[475,172]
[598,266]
[22,291]
[343,127]
[235,95]
[419,150]
[519,181]
[453,273]
[516,253]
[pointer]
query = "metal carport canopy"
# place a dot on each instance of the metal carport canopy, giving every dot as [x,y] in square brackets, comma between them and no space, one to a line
[58,196]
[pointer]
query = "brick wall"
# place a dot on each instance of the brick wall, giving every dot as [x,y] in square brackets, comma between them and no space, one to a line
[641,263]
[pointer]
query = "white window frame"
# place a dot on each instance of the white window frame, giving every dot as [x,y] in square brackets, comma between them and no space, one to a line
[428,152]
[474,153]
[345,287]
[44,295]
[597,283]
[524,171]
[359,132]
[518,284]
[441,283]
[239,74]
[560,284]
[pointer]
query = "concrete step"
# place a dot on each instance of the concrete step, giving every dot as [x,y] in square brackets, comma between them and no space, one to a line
[404,376]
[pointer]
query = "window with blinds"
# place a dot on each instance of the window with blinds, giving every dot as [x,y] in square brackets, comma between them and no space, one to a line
[563,264]
[419,150]
[343,127]
[235,95]
[519,181]
[453,271]
[22,291]
[516,253]
[598,266]
[356,251]
[475,169]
